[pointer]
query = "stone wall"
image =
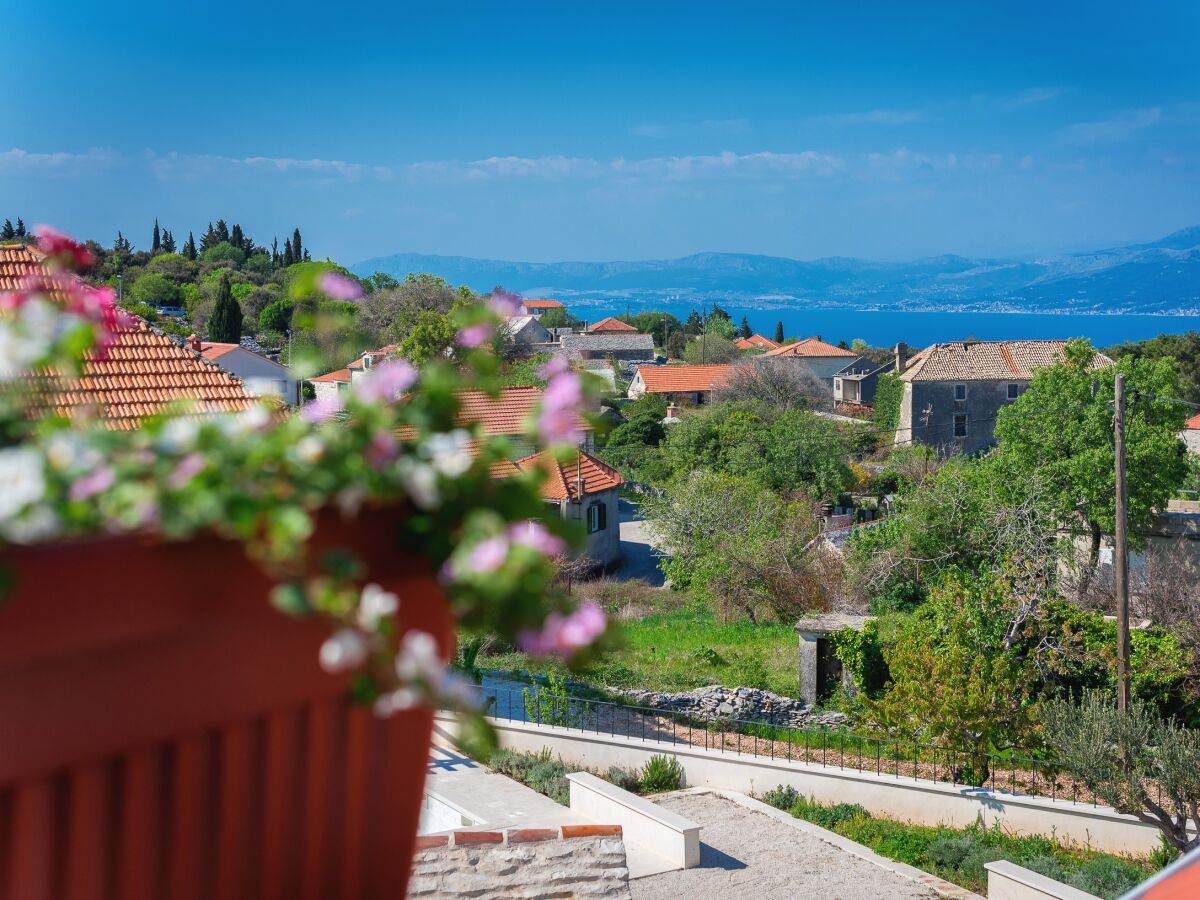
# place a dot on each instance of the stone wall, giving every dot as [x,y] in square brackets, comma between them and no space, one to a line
[571,861]
[744,704]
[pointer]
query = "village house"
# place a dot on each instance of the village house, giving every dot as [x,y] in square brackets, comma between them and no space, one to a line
[334,383]
[526,333]
[855,383]
[584,490]
[142,372]
[628,349]
[508,415]
[534,307]
[824,360]
[681,385]
[755,342]
[953,392]
[1191,434]
[611,325]
[261,375]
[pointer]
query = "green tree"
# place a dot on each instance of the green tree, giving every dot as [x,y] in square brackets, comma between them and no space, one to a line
[276,317]
[155,289]
[779,332]
[156,241]
[7,233]
[223,252]
[189,248]
[558,318]
[297,247]
[694,323]
[289,258]
[225,324]
[708,349]
[430,335]
[676,344]
[659,325]
[168,242]
[1135,761]
[1060,432]
[745,329]
[1182,349]
[889,392]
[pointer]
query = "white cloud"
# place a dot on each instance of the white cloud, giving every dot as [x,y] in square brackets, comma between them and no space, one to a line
[651,130]
[1121,127]
[876,117]
[178,165]
[18,161]
[1032,97]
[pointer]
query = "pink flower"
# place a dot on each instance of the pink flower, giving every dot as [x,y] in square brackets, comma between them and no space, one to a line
[564,635]
[95,482]
[502,303]
[473,335]
[488,555]
[186,469]
[385,382]
[382,449]
[535,535]
[553,367]
[337,286]
[65,250]
[322,409]
[344,650]
[559,421]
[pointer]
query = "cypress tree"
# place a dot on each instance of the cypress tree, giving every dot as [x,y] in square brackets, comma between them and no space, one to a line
[189,248]
[168,242]
[208,239]
[156,243]
[20,228]
[288,256]
[275,252]
[779,333]
[237,238]
[746,332]
[297,248]
[225,325]
[7,233]
[222,232]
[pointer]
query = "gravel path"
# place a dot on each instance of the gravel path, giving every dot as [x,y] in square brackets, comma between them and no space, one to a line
[744,853]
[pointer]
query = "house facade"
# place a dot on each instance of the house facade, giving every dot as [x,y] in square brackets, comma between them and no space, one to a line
[681,385]
[628,349]
[824,360]
[526,332]
[584,490]
[333,383]
[535,307]
[263,377]
[953,392]
[856,382]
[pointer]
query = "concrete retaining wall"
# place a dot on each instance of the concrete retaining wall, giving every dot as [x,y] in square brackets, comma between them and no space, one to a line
[1008,881]
[904,799]
[646,826]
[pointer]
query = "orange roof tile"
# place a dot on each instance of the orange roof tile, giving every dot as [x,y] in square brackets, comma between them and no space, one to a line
[210,350]
[672,379]
[810,347]
[610,324]
[564,479]
[541,304]
[507,414]
[340,376]
[140,373]
[755,342]
[1193,422]
[989,360]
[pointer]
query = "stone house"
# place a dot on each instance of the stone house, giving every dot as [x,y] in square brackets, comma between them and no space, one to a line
[824,360]
[525,332]
[611,325]
[339,380]
[1191,434]
[584,490]
[953,392]
[628,349]
[261,375]
[681,385]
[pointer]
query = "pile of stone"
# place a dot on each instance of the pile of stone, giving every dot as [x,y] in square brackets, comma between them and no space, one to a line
[744,704]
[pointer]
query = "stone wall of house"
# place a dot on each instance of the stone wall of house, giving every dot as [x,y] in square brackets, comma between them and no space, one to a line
[571,861]
[984,401]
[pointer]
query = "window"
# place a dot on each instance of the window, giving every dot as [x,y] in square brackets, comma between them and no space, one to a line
[597,517]
[960,425]
[960,392]
[1014,391]
[837,385]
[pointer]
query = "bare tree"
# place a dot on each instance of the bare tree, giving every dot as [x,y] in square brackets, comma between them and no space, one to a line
[381,312]
[778,383]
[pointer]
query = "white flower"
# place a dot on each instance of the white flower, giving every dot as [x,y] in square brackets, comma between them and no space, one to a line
[309,448]
[374,605]
[418,658]
[421,482]
[179,435]
[397,701]
[37,524]
[65,451]
[23,480]
[343,650]
[450,453]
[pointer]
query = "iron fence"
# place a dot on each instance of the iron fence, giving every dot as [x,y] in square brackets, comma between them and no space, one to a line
[832,748]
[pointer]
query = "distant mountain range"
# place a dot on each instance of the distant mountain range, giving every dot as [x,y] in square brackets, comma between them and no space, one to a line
[1159,277]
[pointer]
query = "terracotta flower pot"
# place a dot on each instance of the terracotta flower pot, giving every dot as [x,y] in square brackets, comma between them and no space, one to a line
[166,733]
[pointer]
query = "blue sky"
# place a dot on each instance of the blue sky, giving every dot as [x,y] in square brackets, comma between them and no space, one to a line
[608,131]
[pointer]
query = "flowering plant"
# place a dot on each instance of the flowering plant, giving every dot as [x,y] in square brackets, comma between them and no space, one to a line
[261,476]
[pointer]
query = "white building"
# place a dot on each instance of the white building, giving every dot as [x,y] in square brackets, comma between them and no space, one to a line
[263,377]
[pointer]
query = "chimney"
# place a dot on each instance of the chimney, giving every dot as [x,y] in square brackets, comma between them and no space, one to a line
[901,357]
[671,410]
[194,342]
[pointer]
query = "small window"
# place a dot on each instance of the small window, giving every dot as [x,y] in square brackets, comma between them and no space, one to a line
[960,392]
[1014,391]
[597,517]
[960,425]
[837,384]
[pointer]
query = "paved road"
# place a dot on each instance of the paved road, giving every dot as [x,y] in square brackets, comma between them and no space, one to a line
[638,559]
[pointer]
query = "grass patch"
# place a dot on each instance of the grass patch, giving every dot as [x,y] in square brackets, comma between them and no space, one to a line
[959,854]
[680,649]
[548,776]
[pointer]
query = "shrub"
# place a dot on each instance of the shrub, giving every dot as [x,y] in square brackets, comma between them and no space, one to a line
[971,870]
[782,796]
[949,851]
[832,816]
[625,778]
[550,704]
[661,773]
[1106,877]
[1046,865]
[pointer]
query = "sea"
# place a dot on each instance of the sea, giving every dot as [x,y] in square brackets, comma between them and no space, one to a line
[884,328]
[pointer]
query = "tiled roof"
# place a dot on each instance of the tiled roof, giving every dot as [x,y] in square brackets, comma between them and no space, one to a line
[608,342]
[507,414]
[210,350]
[541,304]
[755,342]
[341,376]
[988,360]
[563,481]
[376,355]
[140,373]
[610,324]
[1193,422]
[670,379]
[812,346]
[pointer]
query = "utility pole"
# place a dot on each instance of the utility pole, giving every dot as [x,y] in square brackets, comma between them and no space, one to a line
[1121,550]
